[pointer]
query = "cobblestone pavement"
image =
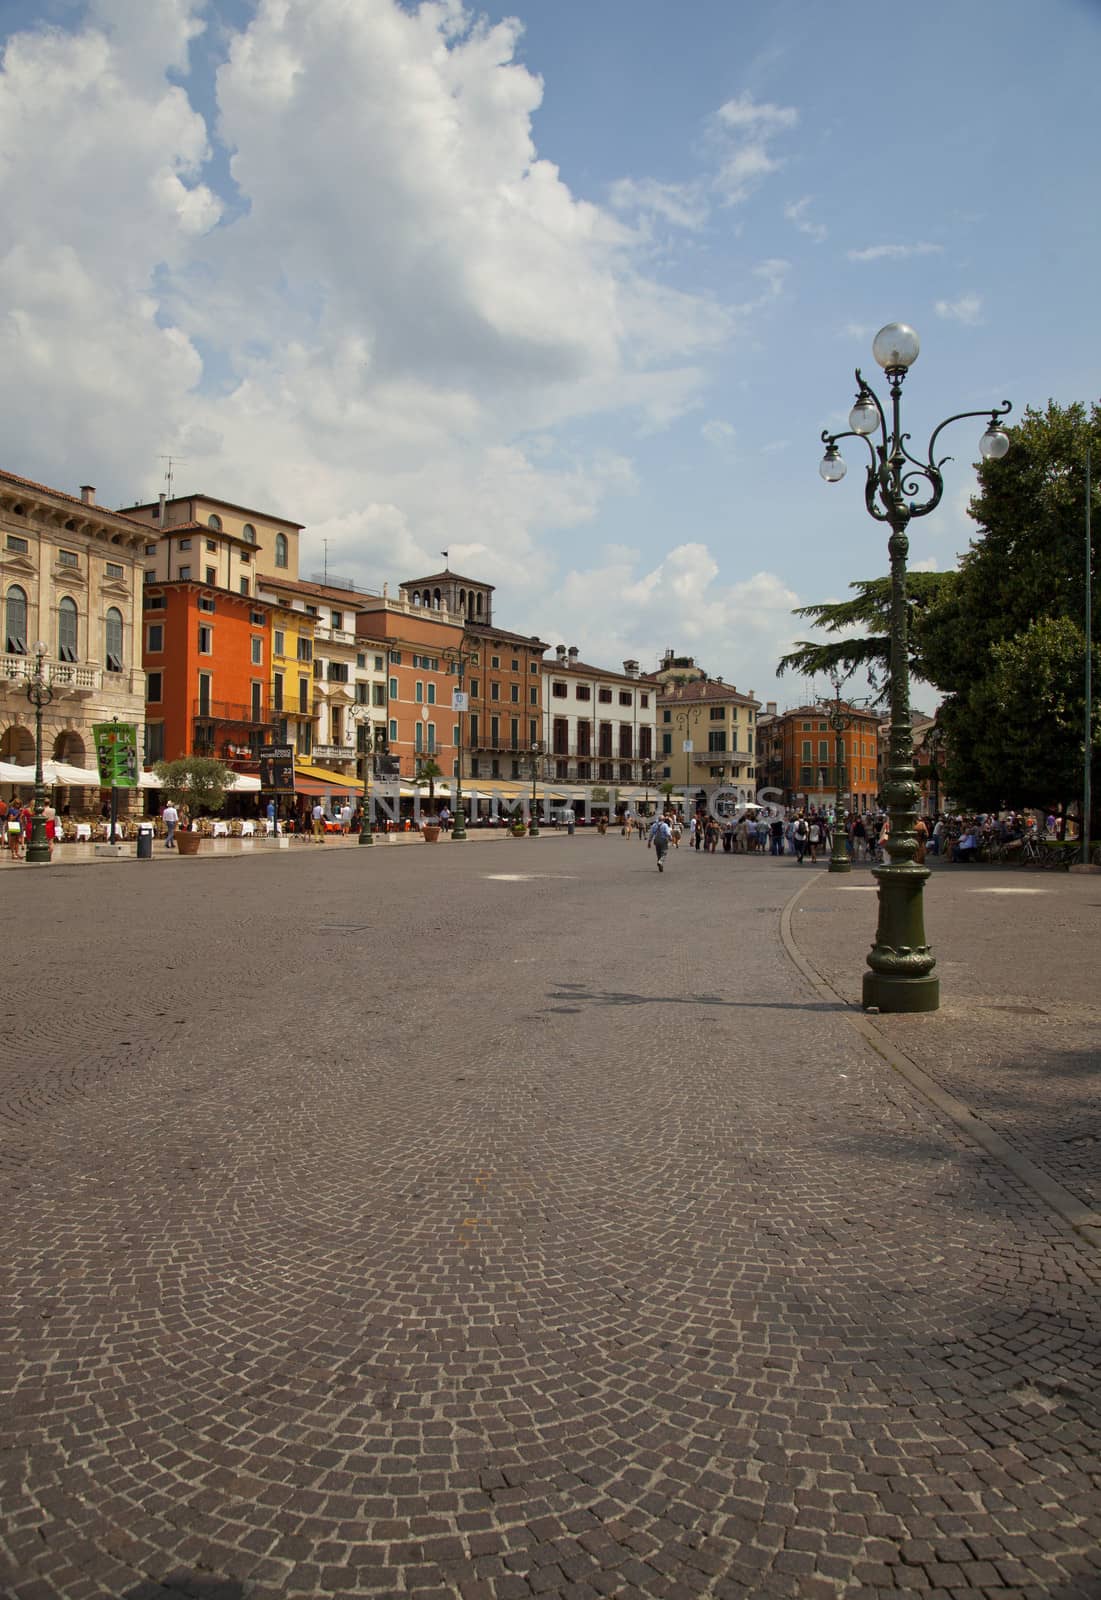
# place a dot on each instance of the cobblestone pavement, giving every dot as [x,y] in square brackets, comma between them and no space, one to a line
[1018,1035]
[507,1223]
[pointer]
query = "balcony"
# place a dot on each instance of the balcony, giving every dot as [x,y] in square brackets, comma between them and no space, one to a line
[334,635]
[334,752]
[65,677]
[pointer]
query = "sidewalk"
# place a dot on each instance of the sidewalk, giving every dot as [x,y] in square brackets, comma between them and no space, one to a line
[1018,1036]
[84,854]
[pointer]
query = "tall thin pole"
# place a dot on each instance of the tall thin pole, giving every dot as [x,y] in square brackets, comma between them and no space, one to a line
[1087,797]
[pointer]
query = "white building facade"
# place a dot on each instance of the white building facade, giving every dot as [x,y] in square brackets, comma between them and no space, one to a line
[599,726]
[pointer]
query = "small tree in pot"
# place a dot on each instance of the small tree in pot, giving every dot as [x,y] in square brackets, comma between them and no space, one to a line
[197,782]
[430,824]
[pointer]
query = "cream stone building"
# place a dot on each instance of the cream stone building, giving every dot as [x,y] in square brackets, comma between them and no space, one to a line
[216,542]
[717,723]
[71,577]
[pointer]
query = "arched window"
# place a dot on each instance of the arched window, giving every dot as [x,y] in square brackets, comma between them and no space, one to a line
[249,532]
[15,621]
[113,640]
[479,605]
[280,549]
[436,600]
[214,522]
[416,597]
[66,629]
[462,599]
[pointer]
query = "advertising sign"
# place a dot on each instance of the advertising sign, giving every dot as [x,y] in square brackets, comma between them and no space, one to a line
[459,700]
[687,747]
[277,768]
[117,754]
[387,768]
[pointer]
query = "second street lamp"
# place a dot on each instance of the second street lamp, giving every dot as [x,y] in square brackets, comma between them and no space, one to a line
[533,755]
[40,693]
[901,961]
[371,741]
[840,721]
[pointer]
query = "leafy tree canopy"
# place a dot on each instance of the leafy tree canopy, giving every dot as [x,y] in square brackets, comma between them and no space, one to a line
[198,782]
[868,650]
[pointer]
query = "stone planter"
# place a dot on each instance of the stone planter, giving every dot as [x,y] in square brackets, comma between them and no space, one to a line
[431,831]
[187,843]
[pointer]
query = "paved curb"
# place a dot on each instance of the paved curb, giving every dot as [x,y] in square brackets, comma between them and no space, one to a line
[1085,1222]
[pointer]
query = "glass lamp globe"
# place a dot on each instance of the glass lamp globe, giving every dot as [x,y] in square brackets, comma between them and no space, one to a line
[831,467]
[40,647]
[994,443]
[896,345]
[864,418]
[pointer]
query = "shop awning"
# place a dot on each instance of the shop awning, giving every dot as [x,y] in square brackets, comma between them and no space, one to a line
[318,791]
[323,775]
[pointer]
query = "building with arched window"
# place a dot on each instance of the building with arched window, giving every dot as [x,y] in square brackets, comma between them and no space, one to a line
[227,546]
[71,578]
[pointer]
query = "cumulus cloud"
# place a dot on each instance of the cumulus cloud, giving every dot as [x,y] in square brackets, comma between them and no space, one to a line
[895,252]
[967,309]
[683,205]
[720,434]
[402,277]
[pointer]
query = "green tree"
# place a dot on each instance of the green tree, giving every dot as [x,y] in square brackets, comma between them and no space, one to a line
[428,772]
[198,782]
[869,648]
[1013,681]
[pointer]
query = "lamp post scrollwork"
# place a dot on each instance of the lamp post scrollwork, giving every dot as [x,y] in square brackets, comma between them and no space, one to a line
[40,694]
[901,961]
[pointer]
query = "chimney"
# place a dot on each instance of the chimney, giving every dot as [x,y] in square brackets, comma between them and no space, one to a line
[88,493]
[560,652]
[770,708]
[630,669]
[162,514]
[573,654]
[719,678]
[667,659]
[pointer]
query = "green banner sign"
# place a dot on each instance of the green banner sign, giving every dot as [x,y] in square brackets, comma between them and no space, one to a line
[117,754]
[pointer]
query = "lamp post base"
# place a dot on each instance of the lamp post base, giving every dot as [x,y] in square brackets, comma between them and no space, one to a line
[366,836]
[459,830]
[884,992]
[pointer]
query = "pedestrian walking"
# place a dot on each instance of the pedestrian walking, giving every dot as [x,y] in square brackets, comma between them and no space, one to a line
[171,819]
[660,835]
[345,819]
[800,838]
[318,817]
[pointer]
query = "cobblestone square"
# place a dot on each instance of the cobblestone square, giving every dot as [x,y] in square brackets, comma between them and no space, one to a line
[506,1220]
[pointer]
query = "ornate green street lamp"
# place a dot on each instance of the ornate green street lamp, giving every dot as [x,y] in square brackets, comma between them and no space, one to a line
[373,739]
[457,660]
[839,721]
[935,743]
[39,693]
[533,756]
[901,961]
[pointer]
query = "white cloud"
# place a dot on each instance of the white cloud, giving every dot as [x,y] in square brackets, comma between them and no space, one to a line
[684,205]
[403,279]
[746,129]
[720,434]
[967,309]
[895,252]
[796,213]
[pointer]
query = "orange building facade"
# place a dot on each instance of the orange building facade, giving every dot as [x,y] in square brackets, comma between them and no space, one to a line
[420,646]
[798,750]
[206,654]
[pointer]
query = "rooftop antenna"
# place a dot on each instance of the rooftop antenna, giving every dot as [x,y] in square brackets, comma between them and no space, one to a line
[172,461]
[325,563]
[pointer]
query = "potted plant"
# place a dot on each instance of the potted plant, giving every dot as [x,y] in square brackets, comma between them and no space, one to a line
[194,782]
[427,773]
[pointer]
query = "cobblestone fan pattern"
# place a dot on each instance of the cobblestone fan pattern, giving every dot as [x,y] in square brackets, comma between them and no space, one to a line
[1018,1035]
[374,1225]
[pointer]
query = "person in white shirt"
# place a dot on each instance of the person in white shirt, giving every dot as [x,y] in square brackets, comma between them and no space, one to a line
[659,837]
[318,816]
[170,817]
[345,819]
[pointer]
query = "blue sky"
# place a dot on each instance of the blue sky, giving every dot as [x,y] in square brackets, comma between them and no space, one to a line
[569,287]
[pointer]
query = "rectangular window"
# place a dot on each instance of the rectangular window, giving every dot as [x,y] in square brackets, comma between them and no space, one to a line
[515,665]
[823,749]
[418,692]
[393,730]
[363,691]
[154,742]
[667,744]
[378,663]
[625,697]
[667,716]
[153,602]
[305,648]
[378,694]
[644,701]
[431,694]
[474,688]
[206,602]
[153,684]
[515,694]
[558,690]
[583,692]
[431,738]
[337,619]
[150,549]
[455,733]
[278,694]
[393,688]
[495,661]
[338,672]
[418,737]
[257,651]
[806,746]
[212,544]
[533,732]
[245,557]
[604,696]
[717,740]
[305,739]
[395,658]
[115,569]
[494,732]
[533,696]
[534,667]
[280,646]
[718,713]
[257,701]
[154,638]
[206,640]
[185,544]
[495,691]
[68,558]
[20,546]
[303,694]
[204,694]
[257,618]
[514,732]
[244,585]
[474,728]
